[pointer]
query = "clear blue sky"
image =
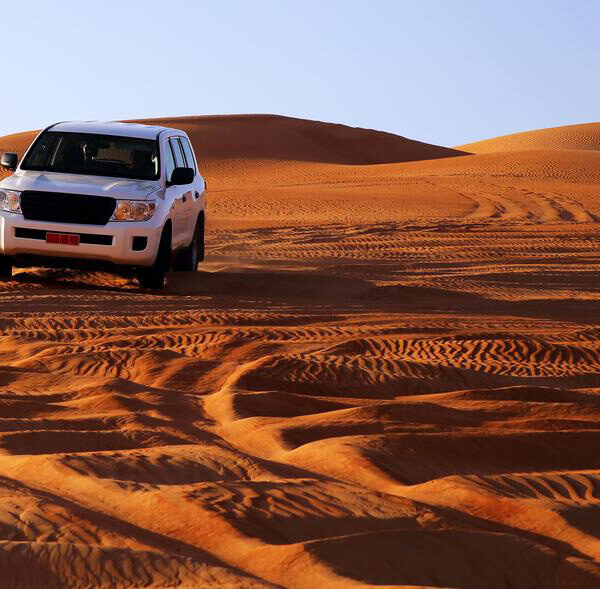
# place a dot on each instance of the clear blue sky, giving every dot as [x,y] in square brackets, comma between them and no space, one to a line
[440,71]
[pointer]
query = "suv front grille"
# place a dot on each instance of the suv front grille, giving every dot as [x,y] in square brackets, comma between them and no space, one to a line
[58,207]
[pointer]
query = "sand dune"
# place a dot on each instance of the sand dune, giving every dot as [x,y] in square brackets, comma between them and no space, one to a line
[386,375]
[270,137]
[586,136]
[239,138]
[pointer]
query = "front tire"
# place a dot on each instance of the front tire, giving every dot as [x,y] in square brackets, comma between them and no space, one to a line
[5,268]
[192,255]
[153,277]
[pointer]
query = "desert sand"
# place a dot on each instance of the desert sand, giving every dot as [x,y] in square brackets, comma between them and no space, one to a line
[387,374]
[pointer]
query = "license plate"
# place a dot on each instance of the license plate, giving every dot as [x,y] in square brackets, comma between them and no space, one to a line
[62,238]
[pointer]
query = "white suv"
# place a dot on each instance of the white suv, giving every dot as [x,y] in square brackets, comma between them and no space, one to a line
[101,195]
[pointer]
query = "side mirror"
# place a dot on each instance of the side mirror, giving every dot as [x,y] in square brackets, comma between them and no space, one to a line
[9,160]
[182,176]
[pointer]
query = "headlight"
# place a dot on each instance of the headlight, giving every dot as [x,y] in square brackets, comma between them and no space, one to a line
[10,200]
[133,210]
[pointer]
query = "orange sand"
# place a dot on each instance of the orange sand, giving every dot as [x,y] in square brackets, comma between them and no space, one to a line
[386,375]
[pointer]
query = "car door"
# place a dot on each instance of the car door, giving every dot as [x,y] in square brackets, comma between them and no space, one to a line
[191,206]
[174,195]
[187,200]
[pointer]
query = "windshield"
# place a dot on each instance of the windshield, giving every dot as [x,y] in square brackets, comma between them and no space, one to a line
[97,155]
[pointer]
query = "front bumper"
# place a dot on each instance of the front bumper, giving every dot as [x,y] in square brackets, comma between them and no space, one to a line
[117,240]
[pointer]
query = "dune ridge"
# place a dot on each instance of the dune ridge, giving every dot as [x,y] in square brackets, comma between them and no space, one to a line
[276,137]
[385,375]
[584,136]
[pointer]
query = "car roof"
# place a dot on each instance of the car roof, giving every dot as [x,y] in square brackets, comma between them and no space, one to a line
[136,130]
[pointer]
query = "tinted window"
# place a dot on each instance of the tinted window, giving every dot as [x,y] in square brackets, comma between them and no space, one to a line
[96,155]
[189,156]
[169,161]
[179,161]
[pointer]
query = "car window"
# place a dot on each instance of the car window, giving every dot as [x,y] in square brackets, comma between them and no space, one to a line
[179,161]
[169,161]
[189,156]
[94,154]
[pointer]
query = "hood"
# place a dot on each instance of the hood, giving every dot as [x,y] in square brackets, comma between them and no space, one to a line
[79,184]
